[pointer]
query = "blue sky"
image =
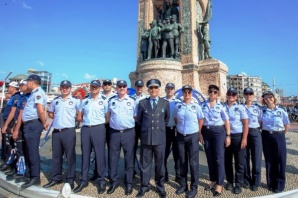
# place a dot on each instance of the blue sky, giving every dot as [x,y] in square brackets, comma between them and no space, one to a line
[83,40]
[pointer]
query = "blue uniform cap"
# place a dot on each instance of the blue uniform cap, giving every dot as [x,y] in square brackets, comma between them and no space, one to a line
[23,82]
[139,83]
[65,83]
[121,82]
[153,82]
[186,87]
[95,83]
[213,87]
[248,90]
[170,85]
[34,77]
[106,81]
[232,90]
[267,93]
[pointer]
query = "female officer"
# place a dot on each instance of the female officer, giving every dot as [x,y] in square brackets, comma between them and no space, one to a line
[275,124]
[237,149]
[254,142]
[215,135]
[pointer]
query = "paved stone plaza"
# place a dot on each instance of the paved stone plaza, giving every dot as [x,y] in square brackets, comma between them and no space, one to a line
[292,173]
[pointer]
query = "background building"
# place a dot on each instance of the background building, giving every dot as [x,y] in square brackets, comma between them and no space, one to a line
[46,78]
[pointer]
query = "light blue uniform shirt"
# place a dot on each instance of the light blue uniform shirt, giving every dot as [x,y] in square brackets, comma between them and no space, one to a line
[140,97]
[37,96]
[172,104]
[94,110]
[122,112]
[254,113]
[236,113]
[187,116]
[109,96]
[216,115]
[274,120]
[64,111]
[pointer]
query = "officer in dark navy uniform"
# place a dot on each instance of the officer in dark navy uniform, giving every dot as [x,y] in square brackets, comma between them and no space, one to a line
[63,111]
[215,136]
[189,119]
[8,117]
[93,135]
[121,114]
[254,142]
[153,116]
[237,149]
[275,124]
[34,122]
[171,141]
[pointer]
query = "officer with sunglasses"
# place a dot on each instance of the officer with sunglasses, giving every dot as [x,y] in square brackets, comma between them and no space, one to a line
[189,119]
[252,177]
[215,136]
[237,149]
[275,124]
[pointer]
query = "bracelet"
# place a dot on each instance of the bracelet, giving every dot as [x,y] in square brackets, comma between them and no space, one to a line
[228,135]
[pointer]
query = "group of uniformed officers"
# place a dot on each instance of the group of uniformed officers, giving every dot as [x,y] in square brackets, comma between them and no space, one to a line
[229,132]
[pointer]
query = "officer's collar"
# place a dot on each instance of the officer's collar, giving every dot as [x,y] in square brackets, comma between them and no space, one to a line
[157,98]
[16,93]
[35,90]
[124,98]
[217,101]
[235,103]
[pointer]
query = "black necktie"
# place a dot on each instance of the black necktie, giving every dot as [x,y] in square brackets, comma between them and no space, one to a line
[154,104]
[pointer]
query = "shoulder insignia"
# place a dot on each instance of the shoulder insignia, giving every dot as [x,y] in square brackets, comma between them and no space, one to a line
[56,97]
[75,97]
[112,98]
[103,97]
[132,97]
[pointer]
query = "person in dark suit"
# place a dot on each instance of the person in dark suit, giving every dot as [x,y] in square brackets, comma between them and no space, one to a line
[153,115]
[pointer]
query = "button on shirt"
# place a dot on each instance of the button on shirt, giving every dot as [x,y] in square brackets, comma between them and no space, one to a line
[64,111]
[172,104]
[122,112]
[12,102]
[274,120]
[236,114]
[254,115]
[187,117]
[214,116]
[21,104]
[94,110]
[37,96]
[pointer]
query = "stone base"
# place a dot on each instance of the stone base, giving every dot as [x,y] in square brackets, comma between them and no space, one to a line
[161,69]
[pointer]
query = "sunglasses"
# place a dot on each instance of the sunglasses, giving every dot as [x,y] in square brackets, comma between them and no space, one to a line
[231,94]
[212,91]
[122,86]
[187,92]
[105,84]
[249,94]
[170,88]
[154,87]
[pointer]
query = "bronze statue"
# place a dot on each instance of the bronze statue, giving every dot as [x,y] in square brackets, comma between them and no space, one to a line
[177,30]
[144,44]
[154,38]
[169,39]
[206,41]
[169,9]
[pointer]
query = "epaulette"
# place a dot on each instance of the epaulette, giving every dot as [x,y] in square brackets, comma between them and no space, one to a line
[75,97]
[222,103]
[132,97]
[86,96]
[56,98]
[112,98]
[103,97]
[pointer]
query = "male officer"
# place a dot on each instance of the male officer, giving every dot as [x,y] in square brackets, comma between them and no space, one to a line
[171,133]
[8,117]
[121,114]
[139,84]
[93,135]
[153,116]
[34,122]
[254,142]
[189,120]
[63,110]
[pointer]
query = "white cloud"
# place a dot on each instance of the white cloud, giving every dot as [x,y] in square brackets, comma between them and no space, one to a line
[89,76]
[40,63]
[64,75]
[24,5]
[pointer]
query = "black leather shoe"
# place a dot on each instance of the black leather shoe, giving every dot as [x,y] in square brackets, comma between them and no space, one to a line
[277,191]
[13,176]
[228,186]
[128,190]
[11,172]
[178,180]
[80,187]
[142,192]
[71,185]
[209,188]
[31,182]
[162,194]
[21,179]
[93,177]
[216,194]
[5,168]
[112,189]
[181,190]
[192,193]
[101,189]
[52,183]
[254,188]
[237,190]
[245,185]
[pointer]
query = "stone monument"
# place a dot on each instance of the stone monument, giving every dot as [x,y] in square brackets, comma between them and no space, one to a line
[191,62]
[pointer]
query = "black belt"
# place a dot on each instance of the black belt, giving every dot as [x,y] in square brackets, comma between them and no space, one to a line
[60,130]
[185,135]
[89,126]
[122,131]
[274,132]
[29,121]
[213,127]
[254,129]
[173,127]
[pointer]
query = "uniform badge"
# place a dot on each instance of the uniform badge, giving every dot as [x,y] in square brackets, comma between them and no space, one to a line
[100,103]
[86,102]
[278,113]
[56,102]
[16,101]
[204,105]
[113,103]
[38,97]
[236,109]
[179,106]
[217,107]
[255,111]
[24,104]
[193,107]
[70,102]
[128,103]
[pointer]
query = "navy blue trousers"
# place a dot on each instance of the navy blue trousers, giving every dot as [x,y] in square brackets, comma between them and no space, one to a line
[275,154]
[32,132]
[93,137]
